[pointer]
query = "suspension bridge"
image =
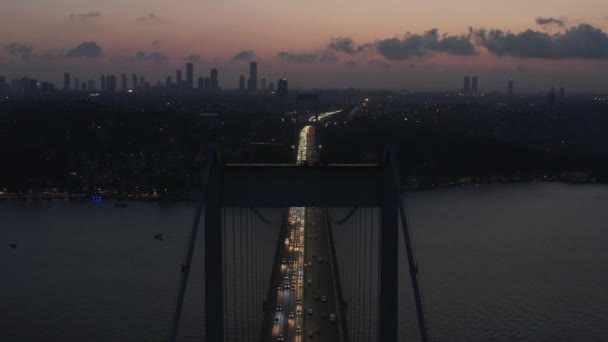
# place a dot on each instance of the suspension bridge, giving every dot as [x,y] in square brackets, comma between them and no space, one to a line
[325,268]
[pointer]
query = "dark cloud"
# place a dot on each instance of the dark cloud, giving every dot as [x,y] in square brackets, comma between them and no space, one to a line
[379,64]
[19,50]
[582,41]
[149,17]
[245,55]
[53,54]
[421,45]
[85,16]
[154,57]
[347,45]
[85,50]
[194,58]
[297,57]
[550,21]
[350,64]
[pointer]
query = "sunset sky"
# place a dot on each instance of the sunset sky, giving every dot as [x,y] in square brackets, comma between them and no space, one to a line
[336,43]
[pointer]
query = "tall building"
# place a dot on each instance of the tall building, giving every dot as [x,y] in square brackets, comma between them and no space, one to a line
[168,82]
[270,87]
[282,88]
[3,83]
[123,82]
[135,85]
[66,81]
[201,83]
[102,83]
[207,83]
[190,75]
[111,83]
[252,83]
[242,83]
[83,86]
[467,84]
[178,78]
[215,83]
[474,84]
[142,81]
[263,83]
[562,92]
[91,85]
[76,84]
[510,88]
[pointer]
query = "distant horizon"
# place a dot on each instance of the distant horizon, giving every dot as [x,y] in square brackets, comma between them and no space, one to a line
[387,44]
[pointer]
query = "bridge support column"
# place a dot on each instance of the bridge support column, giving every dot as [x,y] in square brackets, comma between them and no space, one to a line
[389,260]
[214,287]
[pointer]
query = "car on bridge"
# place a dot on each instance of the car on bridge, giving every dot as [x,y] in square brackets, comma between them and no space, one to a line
[324,299]
[332,317]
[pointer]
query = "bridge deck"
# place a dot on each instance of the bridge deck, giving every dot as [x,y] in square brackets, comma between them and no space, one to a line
[302,275]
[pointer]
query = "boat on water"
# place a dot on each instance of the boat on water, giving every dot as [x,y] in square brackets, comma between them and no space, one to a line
[159,236]
[121,204]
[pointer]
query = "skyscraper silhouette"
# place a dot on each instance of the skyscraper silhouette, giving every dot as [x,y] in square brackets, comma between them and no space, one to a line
[252,83]
[168,82]
[474,85]
[66,81]
[263,83]
[3,83]
[111,83]
[242,83]
[123,82]
[76,84]
[190,75]
[467,84]
[91,85]
[207,83]
[215,83]
[510,88]
[135,85]
[282,88]
[201,83]
[102,83]
[178,78]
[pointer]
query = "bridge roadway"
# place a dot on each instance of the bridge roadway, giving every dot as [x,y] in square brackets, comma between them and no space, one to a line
[302,299]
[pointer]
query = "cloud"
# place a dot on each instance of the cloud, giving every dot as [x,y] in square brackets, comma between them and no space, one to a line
[347,45]
[156,42]
[85,50]
[148,17]
[245,55]
[85,16]
[422,45]
[582,41]
[378,64]
[350,64]
[194,58]
[154,57]
[544,21]
[297,57]
[20,50]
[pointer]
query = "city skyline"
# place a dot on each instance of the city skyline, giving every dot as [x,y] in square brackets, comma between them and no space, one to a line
[418,48]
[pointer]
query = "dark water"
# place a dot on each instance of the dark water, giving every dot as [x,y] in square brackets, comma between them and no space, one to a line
[498,263]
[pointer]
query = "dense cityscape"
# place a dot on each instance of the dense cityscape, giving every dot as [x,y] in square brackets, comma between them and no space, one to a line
[147,141]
